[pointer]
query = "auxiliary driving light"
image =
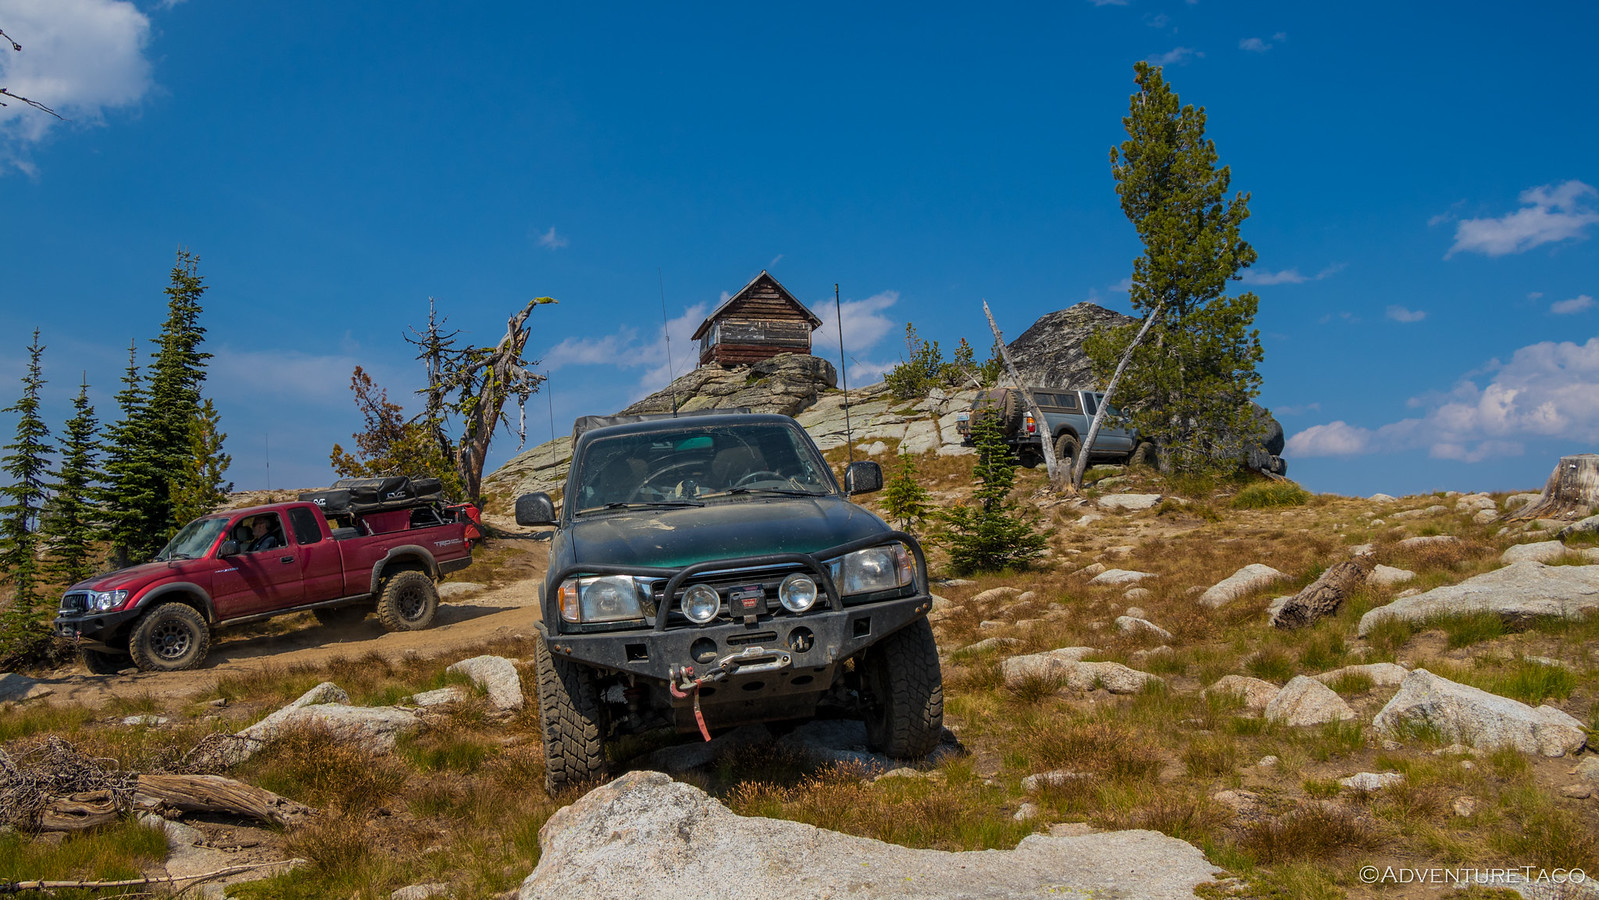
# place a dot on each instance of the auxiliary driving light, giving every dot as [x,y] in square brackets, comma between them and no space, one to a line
[797,593]
[701,603]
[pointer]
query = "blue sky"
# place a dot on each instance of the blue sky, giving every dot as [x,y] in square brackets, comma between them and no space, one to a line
[1422,176]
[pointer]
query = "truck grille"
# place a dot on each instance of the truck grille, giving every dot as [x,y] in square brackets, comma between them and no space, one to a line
[75,602]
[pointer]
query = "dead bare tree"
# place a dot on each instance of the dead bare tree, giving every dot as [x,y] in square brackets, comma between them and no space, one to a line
[475,383]
[1051,463]
[1572,490]
[1104,403]
[4,92]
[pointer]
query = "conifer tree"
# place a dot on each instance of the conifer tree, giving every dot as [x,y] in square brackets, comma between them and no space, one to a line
[133,481]
[990,534]
[27,461]
[177,371]
[70,520]
[1188,385]
[904,498]
[198,489]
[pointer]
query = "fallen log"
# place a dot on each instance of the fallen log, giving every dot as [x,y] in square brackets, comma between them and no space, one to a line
[1325,594]
[167,793]
[213,793]
[16,887]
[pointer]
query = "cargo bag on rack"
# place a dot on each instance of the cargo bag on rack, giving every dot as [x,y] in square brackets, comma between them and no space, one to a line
[364,496]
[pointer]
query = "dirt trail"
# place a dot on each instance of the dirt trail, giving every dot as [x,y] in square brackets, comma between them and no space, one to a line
[464,623]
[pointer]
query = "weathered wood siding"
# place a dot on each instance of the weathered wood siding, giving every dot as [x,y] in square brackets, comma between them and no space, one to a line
[759,325]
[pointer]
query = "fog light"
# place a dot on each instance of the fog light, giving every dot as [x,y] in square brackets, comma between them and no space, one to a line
[797,593]
[701,604]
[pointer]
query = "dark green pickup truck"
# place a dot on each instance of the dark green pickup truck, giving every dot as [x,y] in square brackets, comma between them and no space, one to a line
[707,571]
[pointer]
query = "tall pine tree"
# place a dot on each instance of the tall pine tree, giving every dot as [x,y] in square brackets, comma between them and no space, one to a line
[148,450]
[27,461]
[133,481]
[177,371]
[70,523]
[1189,383]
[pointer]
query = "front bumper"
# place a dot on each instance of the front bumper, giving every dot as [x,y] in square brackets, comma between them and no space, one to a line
[814,644]
[97,630]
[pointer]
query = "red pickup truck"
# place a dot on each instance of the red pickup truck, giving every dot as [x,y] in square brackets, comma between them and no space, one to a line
[251,564]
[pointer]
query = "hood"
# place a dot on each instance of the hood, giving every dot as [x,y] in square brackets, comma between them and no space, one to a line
[131,578]
[672,538]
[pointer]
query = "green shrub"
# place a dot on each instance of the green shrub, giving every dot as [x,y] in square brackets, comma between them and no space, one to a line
[1268,494]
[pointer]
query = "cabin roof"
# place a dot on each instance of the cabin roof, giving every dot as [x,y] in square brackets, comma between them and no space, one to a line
[781,291]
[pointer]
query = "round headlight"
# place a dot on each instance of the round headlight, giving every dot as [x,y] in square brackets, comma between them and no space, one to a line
[701,604]
[797,593]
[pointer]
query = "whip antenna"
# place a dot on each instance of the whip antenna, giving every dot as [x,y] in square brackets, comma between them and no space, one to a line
[666,329]
[843,372]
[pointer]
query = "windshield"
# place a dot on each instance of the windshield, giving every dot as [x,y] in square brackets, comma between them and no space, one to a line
[194,540]
[696,464]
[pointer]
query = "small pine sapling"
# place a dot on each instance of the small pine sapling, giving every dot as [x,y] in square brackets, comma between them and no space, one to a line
[990,534]
[904,498]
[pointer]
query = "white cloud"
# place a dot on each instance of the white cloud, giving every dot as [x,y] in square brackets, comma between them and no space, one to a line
[1546,390]
[1548,214]
[1535,295]
[607,350]
[288,375]
[1575,305]
[1288,276]
[1401,314]
[1177,56]
[1298,410]
[1261,45]
[79,57]
[1108,2]
[552,240]
[1262,277]
[864,325]
[1158,20]
[775,260]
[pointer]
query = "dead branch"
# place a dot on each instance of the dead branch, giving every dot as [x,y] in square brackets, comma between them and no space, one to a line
[17,887]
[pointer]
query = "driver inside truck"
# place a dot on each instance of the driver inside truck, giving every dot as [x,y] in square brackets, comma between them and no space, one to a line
[264,538]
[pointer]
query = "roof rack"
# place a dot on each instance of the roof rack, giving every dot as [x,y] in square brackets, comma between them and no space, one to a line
[589,423]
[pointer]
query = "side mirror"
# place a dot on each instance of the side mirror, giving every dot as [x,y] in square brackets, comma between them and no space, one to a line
[863,477]
[228,548]
[535,509]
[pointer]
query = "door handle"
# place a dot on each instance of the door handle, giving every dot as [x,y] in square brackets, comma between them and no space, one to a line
[285,559]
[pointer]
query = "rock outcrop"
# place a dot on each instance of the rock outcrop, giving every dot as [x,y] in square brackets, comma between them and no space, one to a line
[1468,715]
[1518,592]
[1250,578]
[645,835]
[497,676]
[786,384]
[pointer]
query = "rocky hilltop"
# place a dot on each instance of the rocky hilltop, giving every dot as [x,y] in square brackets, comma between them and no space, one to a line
[1050,352]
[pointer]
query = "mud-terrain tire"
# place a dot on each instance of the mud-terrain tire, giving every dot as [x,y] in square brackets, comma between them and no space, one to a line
[99,662]
[1066,448]
[408,601]
[571,721]
[1011,410]
[903,693]
[170,638]
[1143,455]
[335,616]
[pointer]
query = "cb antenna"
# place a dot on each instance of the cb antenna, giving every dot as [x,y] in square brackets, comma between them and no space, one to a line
[666,329]
[843,372]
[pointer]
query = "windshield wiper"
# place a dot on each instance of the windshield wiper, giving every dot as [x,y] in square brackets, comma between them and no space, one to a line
[643,504]
[786,492]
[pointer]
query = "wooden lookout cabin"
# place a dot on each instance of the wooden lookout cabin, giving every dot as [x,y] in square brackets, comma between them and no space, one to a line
[758,322]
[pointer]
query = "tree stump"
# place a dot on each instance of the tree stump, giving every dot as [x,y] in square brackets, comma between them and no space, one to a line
[1571,492]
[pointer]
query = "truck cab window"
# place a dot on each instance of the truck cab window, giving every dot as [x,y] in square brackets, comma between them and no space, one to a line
[304,523]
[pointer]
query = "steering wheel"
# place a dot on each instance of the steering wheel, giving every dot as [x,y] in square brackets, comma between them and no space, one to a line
[668,476]
[761,475]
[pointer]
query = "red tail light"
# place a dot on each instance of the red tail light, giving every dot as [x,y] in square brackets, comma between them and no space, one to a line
[1032,427]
